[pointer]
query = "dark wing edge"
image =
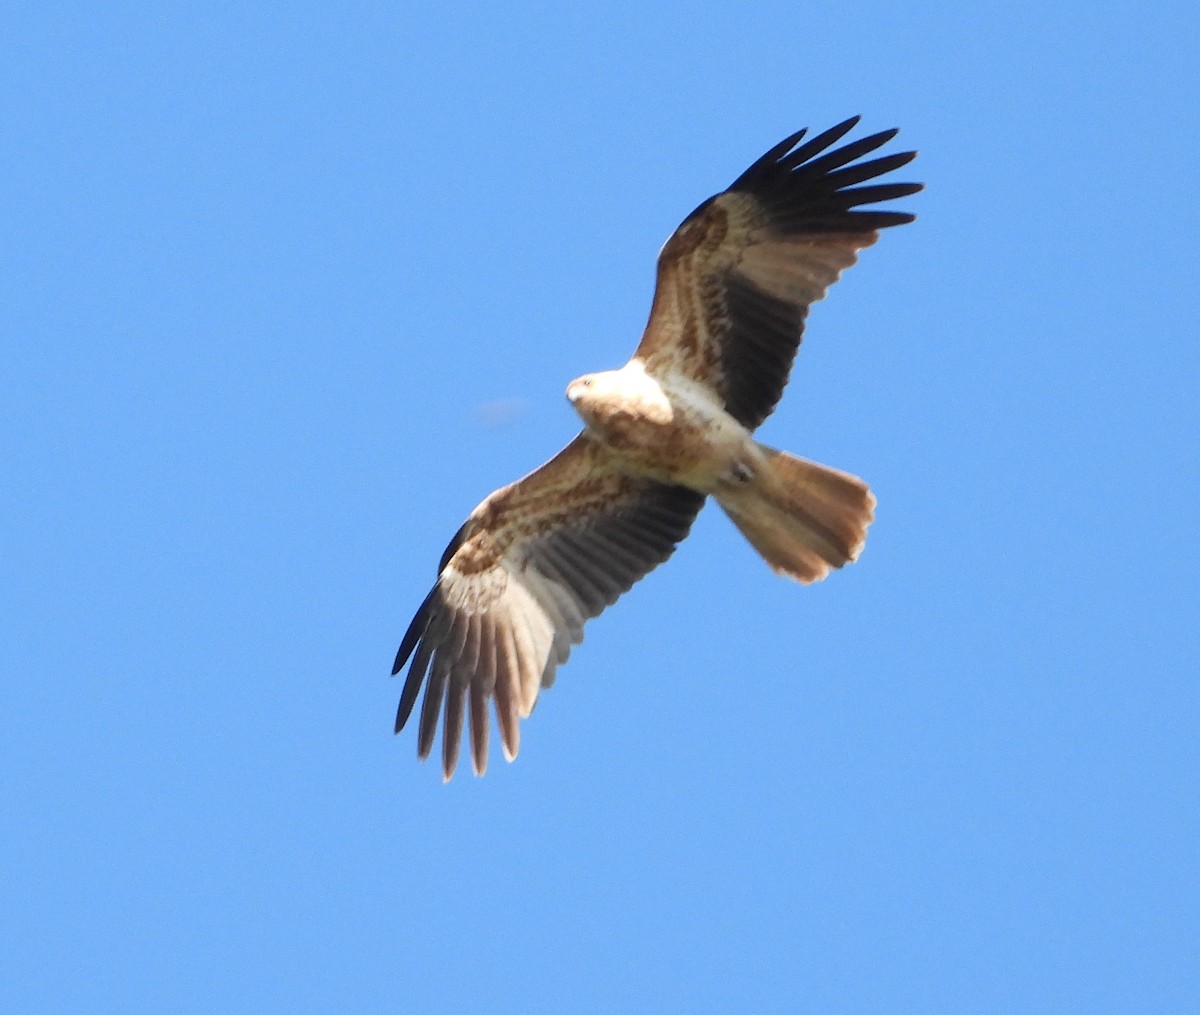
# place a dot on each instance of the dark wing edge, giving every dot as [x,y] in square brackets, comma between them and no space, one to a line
[549,585]
[741,271]
[804,191]
[803,194]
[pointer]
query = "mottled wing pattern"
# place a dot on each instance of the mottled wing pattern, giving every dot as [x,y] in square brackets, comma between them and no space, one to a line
[533,562]
[736,278]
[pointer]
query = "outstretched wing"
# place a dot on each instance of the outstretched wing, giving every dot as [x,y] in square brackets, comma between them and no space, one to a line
[533,562]
[736,278]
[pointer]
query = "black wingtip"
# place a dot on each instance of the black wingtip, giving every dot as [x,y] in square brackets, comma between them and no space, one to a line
[812,186]
[413,635]
[789,154]
[819,143]
[838,130]
[769,161]
[412,685]
[784,146]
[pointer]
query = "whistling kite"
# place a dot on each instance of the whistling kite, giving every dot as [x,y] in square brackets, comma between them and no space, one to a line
[541,556]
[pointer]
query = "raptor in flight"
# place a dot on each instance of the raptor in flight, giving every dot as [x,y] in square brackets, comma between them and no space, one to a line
[541,556]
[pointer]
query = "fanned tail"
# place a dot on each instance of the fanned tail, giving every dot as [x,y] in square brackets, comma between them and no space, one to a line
[803,518]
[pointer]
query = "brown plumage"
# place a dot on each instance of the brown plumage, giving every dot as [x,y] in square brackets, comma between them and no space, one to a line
[540,557]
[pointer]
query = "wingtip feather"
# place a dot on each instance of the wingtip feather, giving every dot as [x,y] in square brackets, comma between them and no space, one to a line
[416,630]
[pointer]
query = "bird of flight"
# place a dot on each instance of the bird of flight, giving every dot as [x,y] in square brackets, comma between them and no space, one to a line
[541,556]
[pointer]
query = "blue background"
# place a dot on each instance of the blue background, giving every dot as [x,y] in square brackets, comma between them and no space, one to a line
[288,289]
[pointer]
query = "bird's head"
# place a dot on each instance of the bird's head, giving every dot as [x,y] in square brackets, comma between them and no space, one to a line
[580,388]
[627,392]
[586,395]
[596,397]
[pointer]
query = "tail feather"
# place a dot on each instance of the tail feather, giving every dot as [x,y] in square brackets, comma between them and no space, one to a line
[804,519]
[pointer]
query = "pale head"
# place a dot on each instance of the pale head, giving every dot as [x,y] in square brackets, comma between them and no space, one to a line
[629,391]
[579,388]
[589,395]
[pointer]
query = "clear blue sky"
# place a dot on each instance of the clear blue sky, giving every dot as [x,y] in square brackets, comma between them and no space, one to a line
[288,289]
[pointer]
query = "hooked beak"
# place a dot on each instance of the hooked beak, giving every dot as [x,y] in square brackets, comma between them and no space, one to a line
[576,389]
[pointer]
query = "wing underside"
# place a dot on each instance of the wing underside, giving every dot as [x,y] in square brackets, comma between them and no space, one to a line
[531,566]
[737,277]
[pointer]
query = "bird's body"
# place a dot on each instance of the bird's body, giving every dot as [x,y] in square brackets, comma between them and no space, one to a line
[539,557]
[671,430]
